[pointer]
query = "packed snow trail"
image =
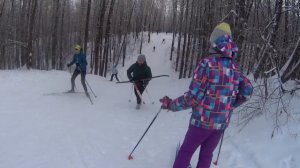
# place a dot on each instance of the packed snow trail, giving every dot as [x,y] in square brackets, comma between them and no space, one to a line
[65,131]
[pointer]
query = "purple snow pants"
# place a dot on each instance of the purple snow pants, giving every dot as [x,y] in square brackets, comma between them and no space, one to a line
[208,139]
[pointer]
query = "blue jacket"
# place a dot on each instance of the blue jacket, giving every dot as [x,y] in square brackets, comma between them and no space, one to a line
[80,60]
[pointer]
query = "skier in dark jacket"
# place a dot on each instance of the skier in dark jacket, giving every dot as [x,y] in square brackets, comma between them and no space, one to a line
[79,59]
[139,74]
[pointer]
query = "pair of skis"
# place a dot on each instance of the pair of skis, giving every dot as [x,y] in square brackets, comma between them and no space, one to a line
[63,93]
[137,89]
[89,97]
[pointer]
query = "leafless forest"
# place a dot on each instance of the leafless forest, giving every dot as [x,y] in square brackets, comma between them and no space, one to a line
[40,34]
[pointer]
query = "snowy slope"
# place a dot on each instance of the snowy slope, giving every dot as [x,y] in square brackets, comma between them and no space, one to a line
[39,129]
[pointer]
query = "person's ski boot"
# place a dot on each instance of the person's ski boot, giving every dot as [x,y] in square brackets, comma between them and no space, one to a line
[71,91]
[138,106]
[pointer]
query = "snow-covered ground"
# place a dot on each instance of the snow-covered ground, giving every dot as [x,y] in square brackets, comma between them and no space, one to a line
[39,129]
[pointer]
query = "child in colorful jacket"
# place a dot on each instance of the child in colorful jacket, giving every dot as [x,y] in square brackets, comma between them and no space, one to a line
[216,89]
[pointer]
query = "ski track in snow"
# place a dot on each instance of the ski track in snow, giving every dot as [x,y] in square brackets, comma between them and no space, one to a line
[39,129]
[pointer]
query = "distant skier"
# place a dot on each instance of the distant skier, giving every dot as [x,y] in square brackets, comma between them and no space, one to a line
[114,73]
[136,73]
[163,41]
[217,87]
[153,48]
[79,59]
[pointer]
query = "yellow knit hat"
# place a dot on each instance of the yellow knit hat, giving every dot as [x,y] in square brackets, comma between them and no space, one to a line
[220,30]
[77,47]
[224,27]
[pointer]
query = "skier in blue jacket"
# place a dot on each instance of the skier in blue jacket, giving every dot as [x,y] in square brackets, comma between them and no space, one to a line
[79,59]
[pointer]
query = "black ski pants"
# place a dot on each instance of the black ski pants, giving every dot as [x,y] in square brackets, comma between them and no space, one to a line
[114,75]
[75,74]
[141,88]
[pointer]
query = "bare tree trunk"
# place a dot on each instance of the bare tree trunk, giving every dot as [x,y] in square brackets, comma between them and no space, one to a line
[271,38]
[180,33]
[142,27]
[189,40]
[183,58]
[54,34]
[286,24]
[174,3]
[81,22]
[124,44]
[61,36]
[87,22]
[2,10]
[243,11]
[98,41]
[3,58]
[30,39]
[107,39]
[196,26]
[13,56]
[289,68]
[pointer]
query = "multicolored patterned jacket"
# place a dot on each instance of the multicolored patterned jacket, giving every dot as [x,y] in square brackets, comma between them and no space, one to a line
[216,89]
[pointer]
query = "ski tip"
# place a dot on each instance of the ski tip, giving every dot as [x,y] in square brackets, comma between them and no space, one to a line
[130,157]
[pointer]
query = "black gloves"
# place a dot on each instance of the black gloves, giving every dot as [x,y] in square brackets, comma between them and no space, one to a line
[132,79]
[77,64]
[144,84]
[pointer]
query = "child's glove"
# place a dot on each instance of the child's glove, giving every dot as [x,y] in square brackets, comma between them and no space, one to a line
[165,102]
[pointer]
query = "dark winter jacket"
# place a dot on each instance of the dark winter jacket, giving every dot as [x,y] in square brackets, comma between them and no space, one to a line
[137,72]
[80,61]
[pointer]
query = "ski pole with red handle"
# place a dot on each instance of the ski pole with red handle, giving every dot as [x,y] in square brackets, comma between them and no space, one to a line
[216,162]
[130,155]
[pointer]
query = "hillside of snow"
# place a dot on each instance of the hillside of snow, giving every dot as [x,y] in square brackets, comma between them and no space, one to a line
[40,127]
